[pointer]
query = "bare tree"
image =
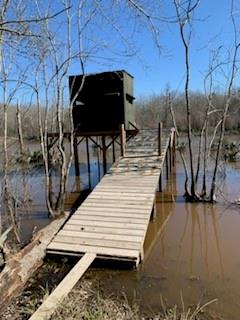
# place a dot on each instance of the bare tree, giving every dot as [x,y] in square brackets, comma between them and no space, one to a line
[184,12]
[232,76]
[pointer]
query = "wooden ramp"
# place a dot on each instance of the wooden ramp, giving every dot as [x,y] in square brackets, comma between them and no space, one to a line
[112,222]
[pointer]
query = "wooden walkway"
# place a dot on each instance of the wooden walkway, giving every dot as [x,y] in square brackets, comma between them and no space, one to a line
[112,222]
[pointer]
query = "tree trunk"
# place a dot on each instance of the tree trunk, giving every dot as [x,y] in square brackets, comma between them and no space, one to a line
[21,266]
[19,129]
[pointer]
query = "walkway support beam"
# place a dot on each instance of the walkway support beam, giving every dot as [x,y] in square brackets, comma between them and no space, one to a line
[122,139]
[49,306]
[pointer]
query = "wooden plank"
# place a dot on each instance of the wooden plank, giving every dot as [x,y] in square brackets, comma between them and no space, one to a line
[120,225]
[111,214]
[112,197]
[134,163]
[121,184]
[143,173]
[137,171]
[153,171]
[143,170]
[92,235]
[121,207]
[127,253]
[97,242]
[130,193]
[98,204]
[132,189]
[108,207]
[140,186]
[140,171]
[100,256]
[136,183]
[115,203]
[139,162]
[119,197]
[48,307]
[109,219]
[120,178]
[99,229]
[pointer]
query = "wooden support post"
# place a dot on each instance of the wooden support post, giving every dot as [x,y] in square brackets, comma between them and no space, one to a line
[78,183]
[113,151]
[88,163]
[48,307]
[98,159]
[170,159]
[160,138]
[160,125]
[76,160]
[122,139]
[160,183]
[166,161]
[104,151]
[174,147]
[154,210]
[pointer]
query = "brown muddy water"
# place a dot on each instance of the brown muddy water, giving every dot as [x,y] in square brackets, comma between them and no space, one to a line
[29,189]
[191,250]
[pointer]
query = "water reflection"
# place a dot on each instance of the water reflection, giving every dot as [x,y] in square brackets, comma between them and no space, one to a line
[156,229]
[191,249]
[194,253]
[29,190]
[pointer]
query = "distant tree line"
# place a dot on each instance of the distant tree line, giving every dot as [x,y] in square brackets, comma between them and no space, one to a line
[149,111]
[30,122]
[153,109]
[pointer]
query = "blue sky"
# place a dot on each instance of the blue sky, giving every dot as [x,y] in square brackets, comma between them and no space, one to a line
[118,38]
[153,71]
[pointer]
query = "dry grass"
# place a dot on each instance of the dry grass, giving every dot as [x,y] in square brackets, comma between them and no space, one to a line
[87,303]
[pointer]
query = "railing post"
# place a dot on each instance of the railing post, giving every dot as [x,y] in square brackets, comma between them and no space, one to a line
[154,210]
[170,159]
[88,163]
[166,161]
[159,153]
[104,152]
[160,125]
[122,139]
[113,150]
[76,160]
[173,147]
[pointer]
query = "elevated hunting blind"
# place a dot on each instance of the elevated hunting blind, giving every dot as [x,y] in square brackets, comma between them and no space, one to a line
[102,101]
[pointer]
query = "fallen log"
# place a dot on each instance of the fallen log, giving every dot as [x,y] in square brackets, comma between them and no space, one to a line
[21,266]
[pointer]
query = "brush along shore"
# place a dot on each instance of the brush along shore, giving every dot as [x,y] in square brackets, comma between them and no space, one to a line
[88,301]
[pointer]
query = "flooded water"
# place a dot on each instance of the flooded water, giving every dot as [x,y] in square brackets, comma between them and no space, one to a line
[29,189]
[191,250]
